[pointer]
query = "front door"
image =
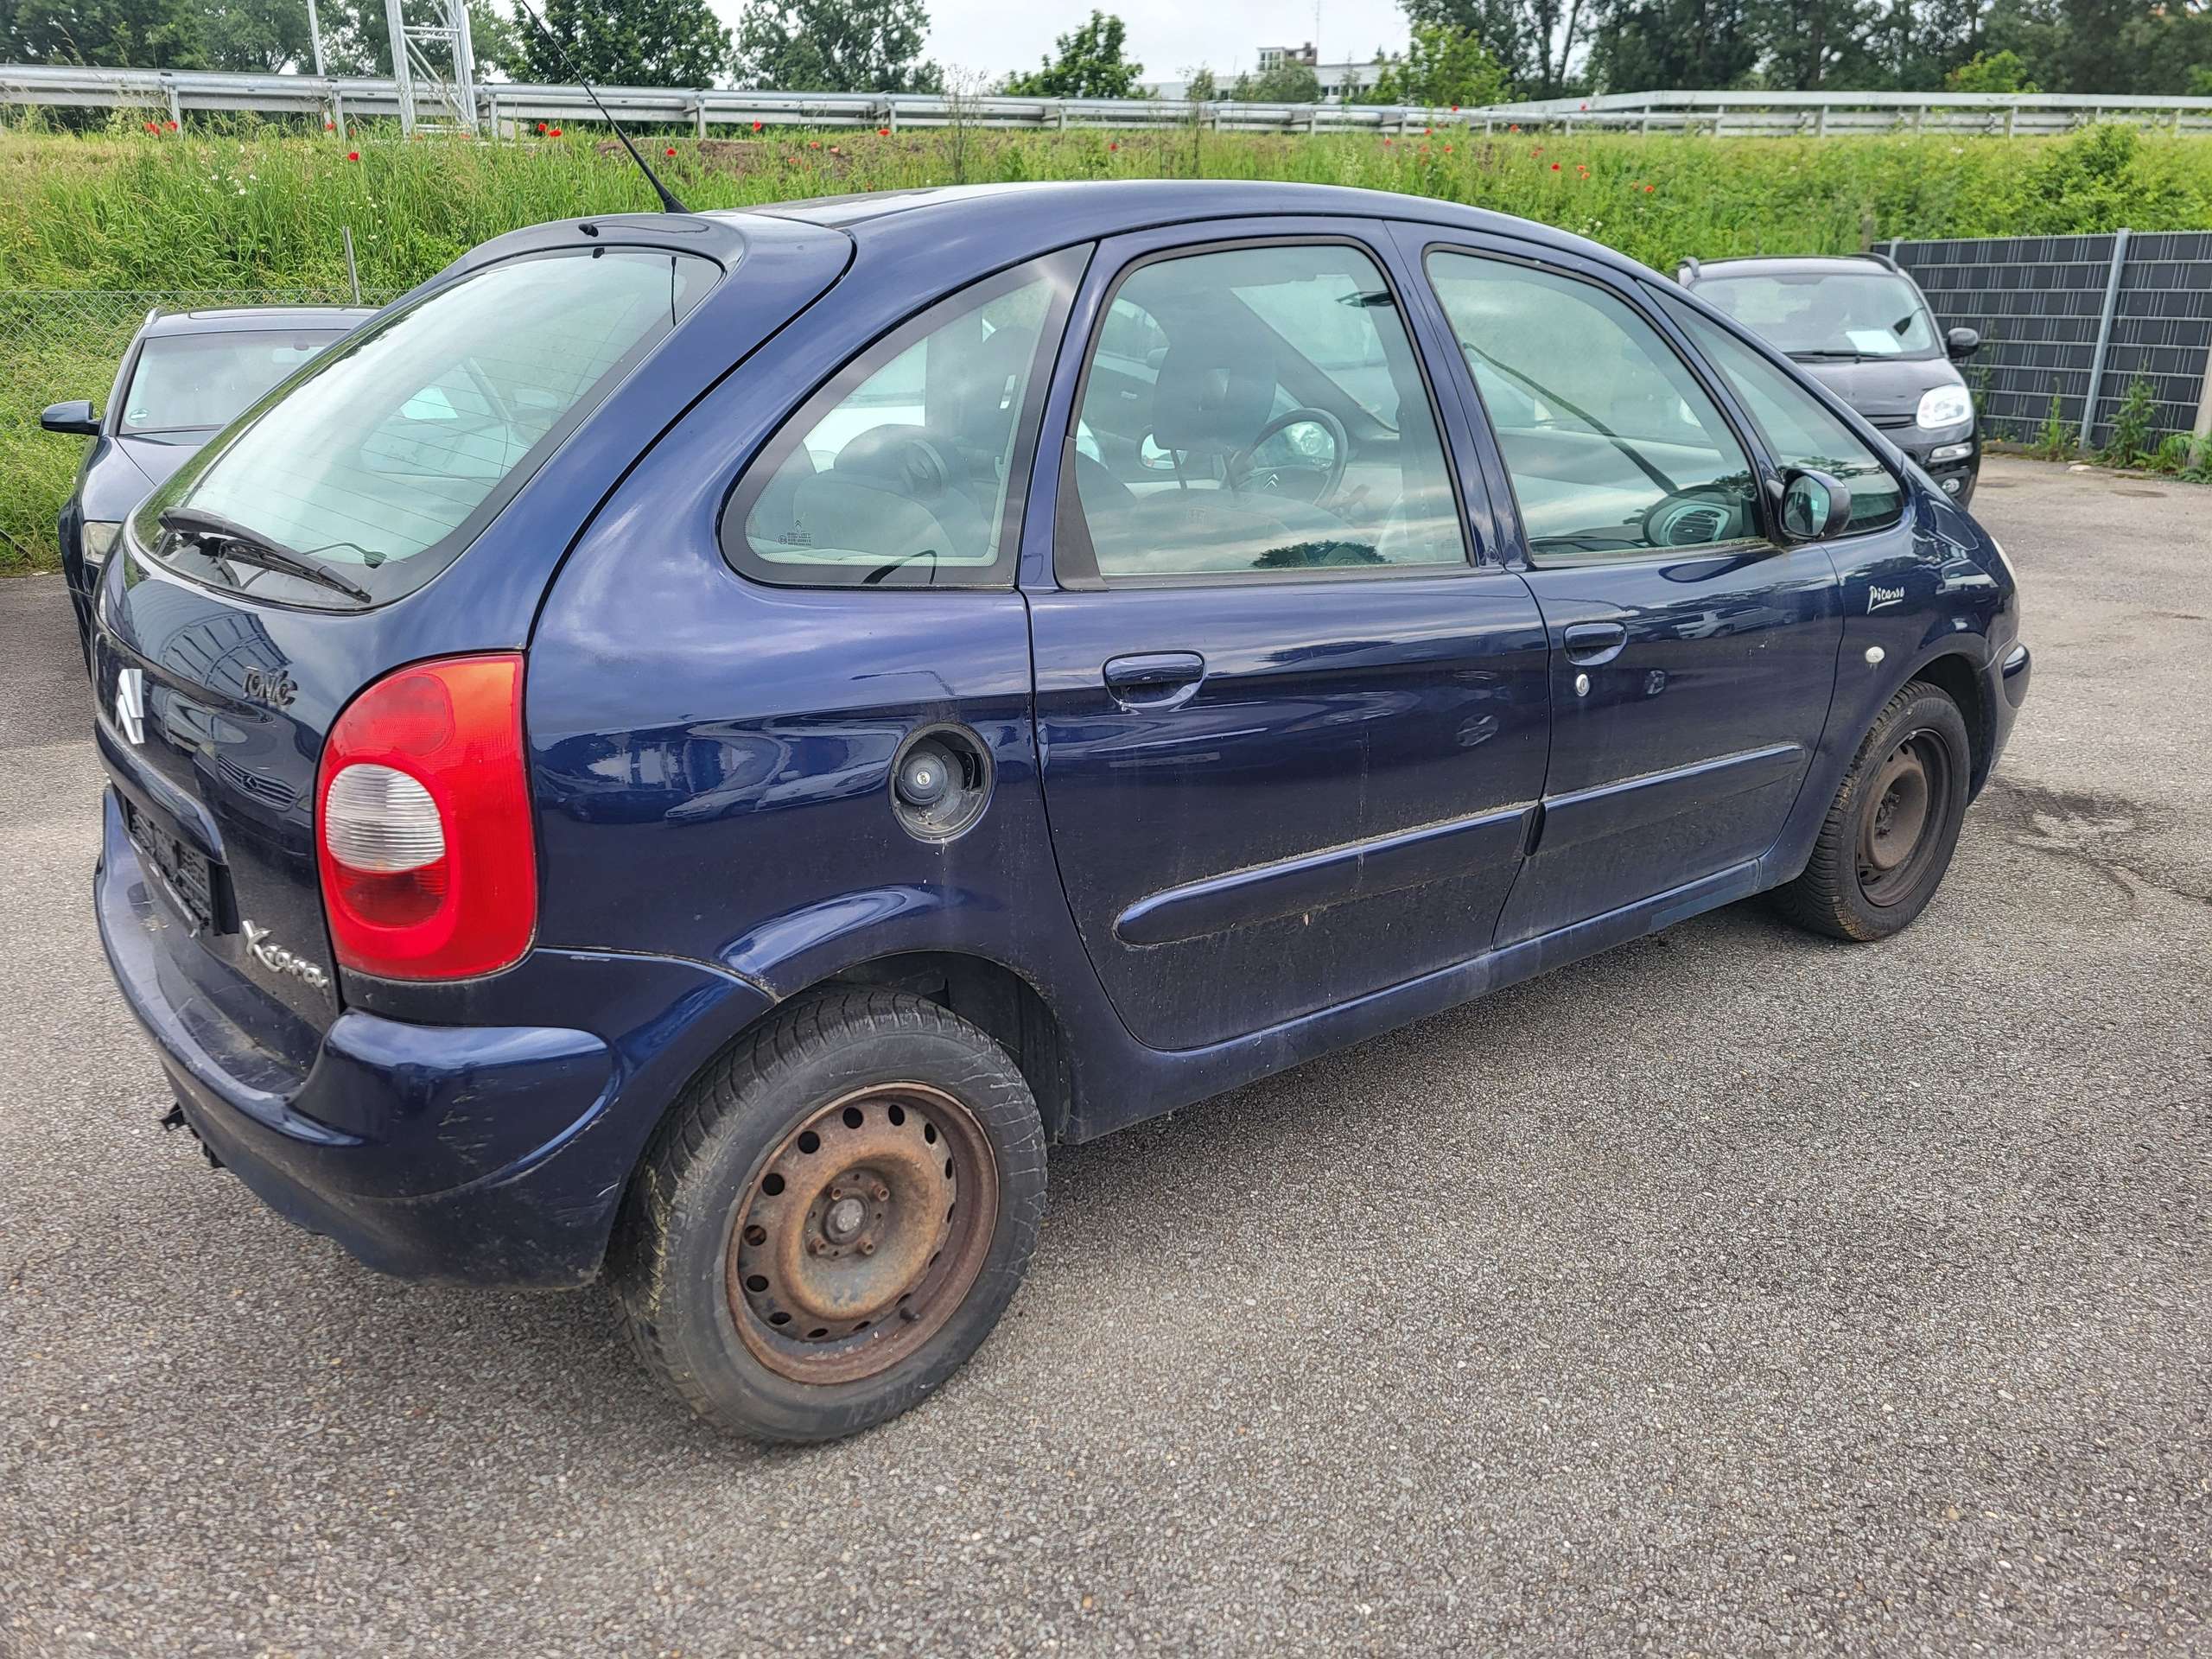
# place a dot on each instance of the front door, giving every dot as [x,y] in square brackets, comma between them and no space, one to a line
[1693,656]
[1292,729]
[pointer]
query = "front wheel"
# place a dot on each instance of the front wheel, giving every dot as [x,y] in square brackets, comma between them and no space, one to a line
[833,1219]
[1889,837]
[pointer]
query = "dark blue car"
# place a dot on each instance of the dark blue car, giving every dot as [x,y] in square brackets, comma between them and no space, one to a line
[183,378]
[694,748]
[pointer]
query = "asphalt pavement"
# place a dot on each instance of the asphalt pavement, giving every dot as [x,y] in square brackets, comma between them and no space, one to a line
[1735,1293]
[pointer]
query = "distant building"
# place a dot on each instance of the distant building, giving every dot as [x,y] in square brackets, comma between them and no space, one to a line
[1335,78]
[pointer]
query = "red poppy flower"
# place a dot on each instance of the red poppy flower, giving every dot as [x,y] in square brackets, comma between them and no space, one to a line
[1513,127]
[1388,141]
[1649,189]
[1447,149]
[814,143]
[1455,109]
[352,155]
[328,125]
[756,126]
[883,132]
[172,126]
[1429,132]
[541,126]
[1116,145]
[1555,167]
[1585,106]
[556,132]
[150,127]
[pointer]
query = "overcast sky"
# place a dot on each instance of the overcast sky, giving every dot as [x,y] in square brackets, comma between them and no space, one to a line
[995,36]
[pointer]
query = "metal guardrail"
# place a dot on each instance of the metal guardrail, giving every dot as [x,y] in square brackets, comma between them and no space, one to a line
[507,105]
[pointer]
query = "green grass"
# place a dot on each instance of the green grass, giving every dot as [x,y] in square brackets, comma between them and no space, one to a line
[255,206]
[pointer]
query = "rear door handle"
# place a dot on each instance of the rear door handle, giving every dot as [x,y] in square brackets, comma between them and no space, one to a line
[1152,678]
[1589,644]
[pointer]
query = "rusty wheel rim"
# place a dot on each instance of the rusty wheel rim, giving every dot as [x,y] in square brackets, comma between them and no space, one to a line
[861,1232]
[1898,837]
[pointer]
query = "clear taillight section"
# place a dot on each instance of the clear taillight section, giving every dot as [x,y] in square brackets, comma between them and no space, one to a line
[429,863]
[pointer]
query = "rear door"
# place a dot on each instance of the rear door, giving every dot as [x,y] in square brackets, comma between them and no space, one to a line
[1693,655]
[1292,720]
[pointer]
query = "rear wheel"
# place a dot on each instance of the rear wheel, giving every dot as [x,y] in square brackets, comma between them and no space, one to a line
[833,1219]
[1889,837]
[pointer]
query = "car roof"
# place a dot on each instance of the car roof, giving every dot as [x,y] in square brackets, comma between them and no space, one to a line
[1835,264]
[241,319]
[1025,219]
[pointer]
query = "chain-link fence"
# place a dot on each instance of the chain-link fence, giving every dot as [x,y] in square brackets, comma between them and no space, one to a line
[59,344]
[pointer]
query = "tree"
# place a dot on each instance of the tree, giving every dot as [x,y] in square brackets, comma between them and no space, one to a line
[1287,83]
[1199,85]
[836,46]
[1816,44]
[1507,30]
[1441,66]
[1641,46]
[1090,65]
[1991,71]
[113,34]
[629,43]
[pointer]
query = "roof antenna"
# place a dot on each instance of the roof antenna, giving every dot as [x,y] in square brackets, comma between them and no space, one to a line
[668,201]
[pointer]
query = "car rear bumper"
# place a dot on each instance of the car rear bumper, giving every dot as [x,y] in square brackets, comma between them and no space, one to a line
[478,1154]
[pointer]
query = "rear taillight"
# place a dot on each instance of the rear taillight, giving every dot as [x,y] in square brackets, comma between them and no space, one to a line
[423,823]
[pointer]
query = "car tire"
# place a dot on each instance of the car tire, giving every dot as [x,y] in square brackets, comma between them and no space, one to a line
[1889,837]
[781,1264]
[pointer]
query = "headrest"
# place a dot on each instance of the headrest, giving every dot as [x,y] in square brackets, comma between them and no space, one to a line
[1216,385]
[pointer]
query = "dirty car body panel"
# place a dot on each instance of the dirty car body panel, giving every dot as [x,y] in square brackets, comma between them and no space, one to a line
[1227,824]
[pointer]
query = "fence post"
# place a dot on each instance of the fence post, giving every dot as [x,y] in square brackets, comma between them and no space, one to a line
[2104,335]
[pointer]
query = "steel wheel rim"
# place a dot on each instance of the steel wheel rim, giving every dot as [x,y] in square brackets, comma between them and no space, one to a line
[861,1232]
[1899,830]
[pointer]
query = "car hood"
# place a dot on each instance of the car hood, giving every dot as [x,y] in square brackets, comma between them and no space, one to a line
[1881,389]
[126,469]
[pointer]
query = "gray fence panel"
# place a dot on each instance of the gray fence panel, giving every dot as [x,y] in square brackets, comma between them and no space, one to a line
[2036,302]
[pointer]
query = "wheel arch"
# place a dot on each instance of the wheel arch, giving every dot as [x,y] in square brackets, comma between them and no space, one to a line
[1959,678]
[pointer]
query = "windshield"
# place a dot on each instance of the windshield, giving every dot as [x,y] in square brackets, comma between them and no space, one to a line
[1840,313]
[196,382]
[388,454]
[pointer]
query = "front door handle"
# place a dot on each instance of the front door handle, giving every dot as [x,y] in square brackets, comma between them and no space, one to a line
[1155,678]
[1589,644]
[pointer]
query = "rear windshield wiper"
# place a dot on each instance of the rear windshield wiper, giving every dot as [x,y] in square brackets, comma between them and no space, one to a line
[248,547]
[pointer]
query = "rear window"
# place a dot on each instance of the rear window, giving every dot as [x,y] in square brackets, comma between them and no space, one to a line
[188,382]
[389,453]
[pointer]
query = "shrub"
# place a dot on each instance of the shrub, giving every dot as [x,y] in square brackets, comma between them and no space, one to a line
[2130,444]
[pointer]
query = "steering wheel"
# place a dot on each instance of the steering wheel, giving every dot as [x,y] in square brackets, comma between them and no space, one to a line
[1291,477]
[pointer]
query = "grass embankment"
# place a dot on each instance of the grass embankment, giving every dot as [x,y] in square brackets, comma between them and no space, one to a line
[247,208]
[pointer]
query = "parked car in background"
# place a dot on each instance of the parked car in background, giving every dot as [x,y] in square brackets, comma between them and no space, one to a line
[1861,326]
[183,378]
[696,745]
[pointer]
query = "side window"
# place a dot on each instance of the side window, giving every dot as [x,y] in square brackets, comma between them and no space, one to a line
[1799,430]
[1613,447]
[906,469]
[1259,409]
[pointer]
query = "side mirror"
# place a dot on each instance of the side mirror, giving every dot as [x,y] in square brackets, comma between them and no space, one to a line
[1153,458]
[76,419]
[1814,505]
[1961,343]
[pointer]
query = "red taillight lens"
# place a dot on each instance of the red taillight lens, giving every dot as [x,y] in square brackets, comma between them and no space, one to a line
[423,823]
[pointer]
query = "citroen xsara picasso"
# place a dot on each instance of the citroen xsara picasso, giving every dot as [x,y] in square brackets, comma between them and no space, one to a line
[693,747]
